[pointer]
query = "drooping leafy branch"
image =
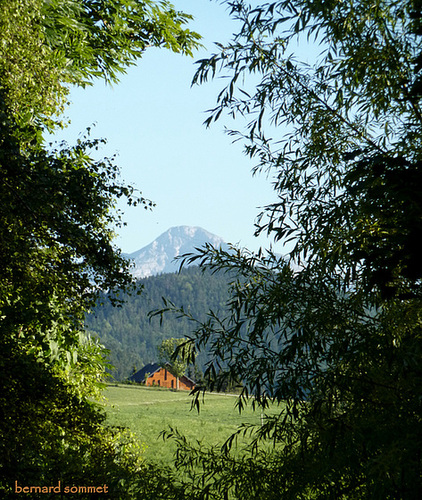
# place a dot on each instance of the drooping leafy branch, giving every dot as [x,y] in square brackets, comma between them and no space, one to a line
[49,45]
[332,333]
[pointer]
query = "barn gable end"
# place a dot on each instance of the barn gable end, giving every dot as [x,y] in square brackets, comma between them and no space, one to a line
[155,375]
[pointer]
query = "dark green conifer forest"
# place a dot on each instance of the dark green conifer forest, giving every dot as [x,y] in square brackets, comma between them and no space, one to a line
[132,336]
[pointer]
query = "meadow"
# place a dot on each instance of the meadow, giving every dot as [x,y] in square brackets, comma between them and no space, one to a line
[147,411]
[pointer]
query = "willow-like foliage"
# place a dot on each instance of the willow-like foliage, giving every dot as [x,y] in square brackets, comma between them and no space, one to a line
[332,332]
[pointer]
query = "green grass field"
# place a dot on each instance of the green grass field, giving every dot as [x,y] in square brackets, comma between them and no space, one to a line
[147,411]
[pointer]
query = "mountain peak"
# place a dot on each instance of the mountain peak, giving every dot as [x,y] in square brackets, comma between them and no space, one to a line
[158,257]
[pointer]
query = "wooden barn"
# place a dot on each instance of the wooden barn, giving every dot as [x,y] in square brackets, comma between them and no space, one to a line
[155,375]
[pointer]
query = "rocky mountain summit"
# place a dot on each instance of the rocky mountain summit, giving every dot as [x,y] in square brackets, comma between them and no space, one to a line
[158,257]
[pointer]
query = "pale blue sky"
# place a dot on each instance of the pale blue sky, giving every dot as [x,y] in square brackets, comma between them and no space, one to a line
[153,120]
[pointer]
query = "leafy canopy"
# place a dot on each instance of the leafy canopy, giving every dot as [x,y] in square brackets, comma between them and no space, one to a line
[173,352]
[49,45]
[57,223]
[332,334]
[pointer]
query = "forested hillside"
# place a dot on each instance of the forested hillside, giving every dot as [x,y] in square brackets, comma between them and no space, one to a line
[132,337]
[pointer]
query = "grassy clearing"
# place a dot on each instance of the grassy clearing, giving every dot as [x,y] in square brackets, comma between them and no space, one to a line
[147,411]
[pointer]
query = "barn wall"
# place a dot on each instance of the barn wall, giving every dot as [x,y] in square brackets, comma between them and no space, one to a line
[163,378]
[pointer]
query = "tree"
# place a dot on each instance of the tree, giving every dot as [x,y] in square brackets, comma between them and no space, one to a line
[57,220]
[75,42]
[173,354]
[334,340]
